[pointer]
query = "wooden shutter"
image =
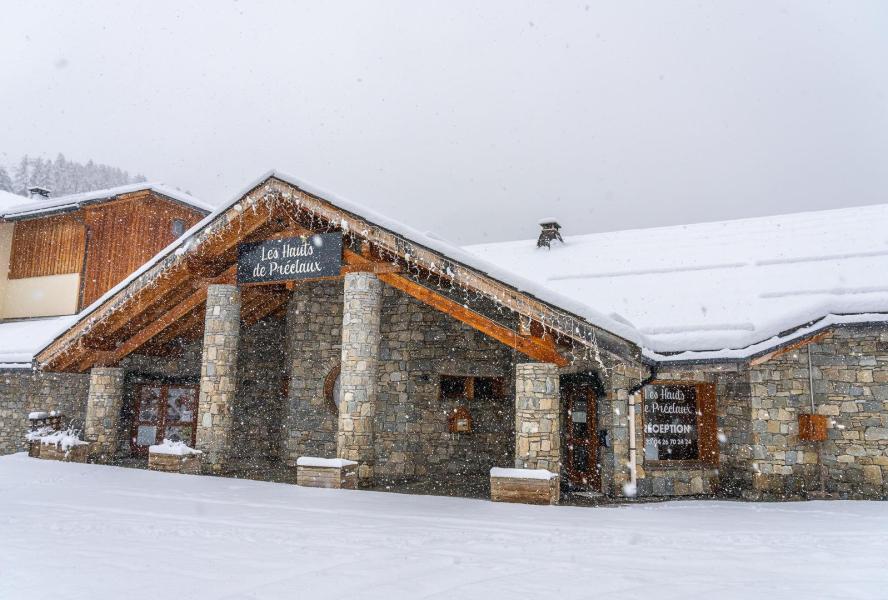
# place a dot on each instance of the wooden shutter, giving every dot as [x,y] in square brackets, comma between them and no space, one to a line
[707,422]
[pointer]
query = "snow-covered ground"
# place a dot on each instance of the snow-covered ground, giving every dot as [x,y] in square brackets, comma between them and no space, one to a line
[93,532]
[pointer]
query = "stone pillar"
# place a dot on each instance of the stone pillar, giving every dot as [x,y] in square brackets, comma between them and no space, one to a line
[362,301]
[218,374]
[103,411]
[537,417]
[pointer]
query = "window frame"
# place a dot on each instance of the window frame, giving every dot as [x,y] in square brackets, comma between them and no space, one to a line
[707,426]
[498,386]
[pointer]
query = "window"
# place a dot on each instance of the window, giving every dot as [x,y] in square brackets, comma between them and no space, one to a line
[680,422]
[459,387]
[164,412]
[177,227]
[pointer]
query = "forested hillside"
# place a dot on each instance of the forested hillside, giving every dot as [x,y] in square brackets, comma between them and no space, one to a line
[62,176]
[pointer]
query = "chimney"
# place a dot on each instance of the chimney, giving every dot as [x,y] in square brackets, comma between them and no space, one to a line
[38,193]
[550,231]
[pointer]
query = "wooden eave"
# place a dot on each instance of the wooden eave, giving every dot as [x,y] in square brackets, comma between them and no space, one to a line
[147,311]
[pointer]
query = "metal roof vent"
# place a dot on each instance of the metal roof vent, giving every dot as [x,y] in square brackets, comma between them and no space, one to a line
[38,193]
[550,231]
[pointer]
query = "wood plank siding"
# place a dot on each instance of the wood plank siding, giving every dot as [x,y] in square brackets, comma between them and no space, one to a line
[47,246]
[124,235]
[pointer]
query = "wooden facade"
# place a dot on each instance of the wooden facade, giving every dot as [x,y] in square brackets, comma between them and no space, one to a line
[48,246]
[124,235]
[103,242]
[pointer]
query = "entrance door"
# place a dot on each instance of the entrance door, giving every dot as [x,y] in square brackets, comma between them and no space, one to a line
[581,434]
[164,412]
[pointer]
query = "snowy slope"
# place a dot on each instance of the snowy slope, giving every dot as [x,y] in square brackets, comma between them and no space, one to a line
[87,532]
[718,285]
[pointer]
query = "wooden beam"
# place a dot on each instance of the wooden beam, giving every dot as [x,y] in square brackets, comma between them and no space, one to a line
[180,310]
[786,349]
[537,348]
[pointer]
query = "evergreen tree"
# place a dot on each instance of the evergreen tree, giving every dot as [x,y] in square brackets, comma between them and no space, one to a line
[5,181]
[63,177]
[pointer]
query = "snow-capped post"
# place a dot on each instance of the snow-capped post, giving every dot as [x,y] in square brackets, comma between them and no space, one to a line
[218,373]
[537,417]
[103,406]
[362,300]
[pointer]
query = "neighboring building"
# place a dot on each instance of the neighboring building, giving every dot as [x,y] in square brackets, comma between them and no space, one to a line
[744,359]
[58,255]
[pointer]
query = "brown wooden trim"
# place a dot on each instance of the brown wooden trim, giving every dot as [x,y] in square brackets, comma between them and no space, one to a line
[707,426]
[536,348]
[176,313]
[813,339]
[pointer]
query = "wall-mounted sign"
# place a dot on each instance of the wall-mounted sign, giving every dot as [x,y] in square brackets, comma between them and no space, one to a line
[287,259]
[670,422]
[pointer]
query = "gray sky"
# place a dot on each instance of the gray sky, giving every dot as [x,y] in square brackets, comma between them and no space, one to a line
[468,119]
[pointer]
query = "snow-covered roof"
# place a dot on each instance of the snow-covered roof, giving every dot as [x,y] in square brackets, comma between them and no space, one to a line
[28,208]
[9,200]
[21,340]
[710,291]
[719,290]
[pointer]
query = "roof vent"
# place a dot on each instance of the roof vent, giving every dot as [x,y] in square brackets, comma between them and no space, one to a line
[38,193]
[549,232]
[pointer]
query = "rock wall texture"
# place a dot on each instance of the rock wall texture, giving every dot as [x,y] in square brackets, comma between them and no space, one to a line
[850,375]
[418,345]
[103,407]
[314,341]
[537,417]
[23,391]
[218,374]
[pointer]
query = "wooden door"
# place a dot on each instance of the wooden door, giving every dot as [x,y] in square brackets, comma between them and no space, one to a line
[581,435]
[164,412]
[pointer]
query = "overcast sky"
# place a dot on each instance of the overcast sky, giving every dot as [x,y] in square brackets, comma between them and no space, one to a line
[469,119]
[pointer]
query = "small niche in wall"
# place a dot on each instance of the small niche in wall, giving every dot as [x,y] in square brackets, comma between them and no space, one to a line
[460,420]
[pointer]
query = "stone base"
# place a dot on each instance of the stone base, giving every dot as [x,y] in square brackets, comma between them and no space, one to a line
[174,463]
[76,454]
[525,490]
[34,449]
[334,474]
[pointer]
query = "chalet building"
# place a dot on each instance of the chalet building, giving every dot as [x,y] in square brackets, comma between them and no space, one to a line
[59,255]
[744,359]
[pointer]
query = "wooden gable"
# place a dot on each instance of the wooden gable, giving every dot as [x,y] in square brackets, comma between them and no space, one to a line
[166,301]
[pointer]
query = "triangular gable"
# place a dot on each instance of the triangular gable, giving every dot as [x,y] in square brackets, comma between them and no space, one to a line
[171,288]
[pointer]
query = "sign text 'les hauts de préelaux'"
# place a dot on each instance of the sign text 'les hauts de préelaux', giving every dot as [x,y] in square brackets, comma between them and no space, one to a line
[286,259]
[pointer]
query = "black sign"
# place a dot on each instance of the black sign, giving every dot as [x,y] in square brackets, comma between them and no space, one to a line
[670,422]
[318,255]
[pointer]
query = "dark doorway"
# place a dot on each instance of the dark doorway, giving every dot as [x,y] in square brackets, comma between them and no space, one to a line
[579,401]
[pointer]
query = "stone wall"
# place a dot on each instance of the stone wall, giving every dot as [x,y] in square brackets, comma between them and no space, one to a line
[257,412]
[314,340]
[418,345]
[733,474]
[103,407]
[218,373]
[362,307]
[23,391]
[850,373]
[537,417]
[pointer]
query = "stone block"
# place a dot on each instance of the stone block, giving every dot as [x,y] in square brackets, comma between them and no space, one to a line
[525,486]
[174,463]
[327,473]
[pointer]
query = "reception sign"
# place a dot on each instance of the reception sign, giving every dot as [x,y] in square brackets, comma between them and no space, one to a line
[289,259]
[670,422]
